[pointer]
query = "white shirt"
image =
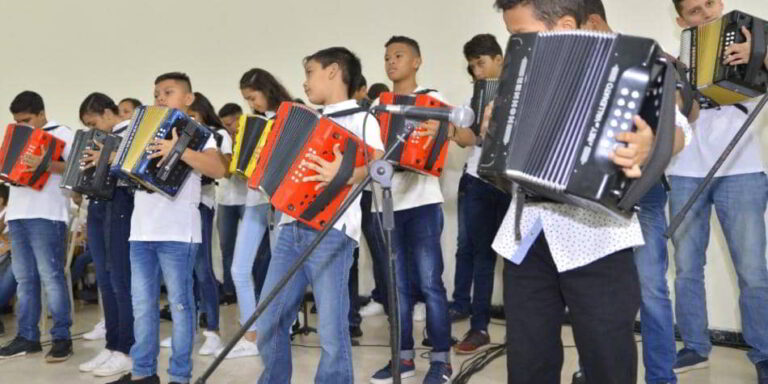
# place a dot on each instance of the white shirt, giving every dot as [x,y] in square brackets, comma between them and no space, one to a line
[158,218]
[712,132]
[50,203]
[208,197]
[352,218]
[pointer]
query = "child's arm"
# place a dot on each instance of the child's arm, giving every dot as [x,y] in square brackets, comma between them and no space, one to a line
[327,170]
[208,161]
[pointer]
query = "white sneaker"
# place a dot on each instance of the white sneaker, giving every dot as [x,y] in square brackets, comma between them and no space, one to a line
[420,312]
[211,345]
[372,309]
[117,364]
[165,343]
[98,332]
[243,348]
[97,361]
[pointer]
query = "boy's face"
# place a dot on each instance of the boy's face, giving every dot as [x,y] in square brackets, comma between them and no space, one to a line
[97,121]
[126,110]
[35,120]
[522,19]
[486,67]
[256,100]
[697,12]
[361,93]
[230,122]
[173,94]
[318,81]
[401,61]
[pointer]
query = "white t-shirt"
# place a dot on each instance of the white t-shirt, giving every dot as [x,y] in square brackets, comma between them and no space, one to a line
[50,203]
[158,218]
[352,218]
[232,191]
[208,197]
[712,132]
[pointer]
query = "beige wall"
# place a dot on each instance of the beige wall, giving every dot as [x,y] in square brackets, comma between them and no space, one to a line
[66,49]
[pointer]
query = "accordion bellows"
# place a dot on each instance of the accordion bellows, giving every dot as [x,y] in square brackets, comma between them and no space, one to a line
[20,140]
[252,133]
[563,99]
[96,182]
[703,51]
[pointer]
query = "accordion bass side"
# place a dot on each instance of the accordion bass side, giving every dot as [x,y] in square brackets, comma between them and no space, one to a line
[484,92]
[562,100]
[96,182]
[252,132]
[298,131]
[20,140]
[420,154]
[703,51]
[149,123]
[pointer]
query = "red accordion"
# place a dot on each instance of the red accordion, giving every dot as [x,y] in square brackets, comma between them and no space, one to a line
[421,154]
[21,140]
[298,131]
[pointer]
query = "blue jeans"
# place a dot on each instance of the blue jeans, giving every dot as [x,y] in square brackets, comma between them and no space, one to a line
[481,209]
[228,222]
[207,286]
[7,282]
[416,244]
[119,211]
[327,270]
[79,264]
[97,244]
[740,203]
[377,248]
[39,253]
[652,261]
[176,262]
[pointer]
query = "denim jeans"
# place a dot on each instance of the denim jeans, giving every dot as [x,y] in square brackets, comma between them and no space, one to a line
[119,211]
[176,262]
[377,248]
[354,291]
[327,271]
[740,203]
[207,286]
[481,209]
[39,254]
[7,282]
[97,244]
[228,222]
[652,261]
[417,240]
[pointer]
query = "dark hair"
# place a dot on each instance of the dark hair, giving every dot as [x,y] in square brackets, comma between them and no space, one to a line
[97,103]
[4,191]
[363,82]
[260,80]
[299,100]
[27,102]
[404,40]
[177,76]
[349,63]
[203,106]
[549,11]
[482,45]
[594,7]
[135,102]
[230,109]
[376,89]
[678,6]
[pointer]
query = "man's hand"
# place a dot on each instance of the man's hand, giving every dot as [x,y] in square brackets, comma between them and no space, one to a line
[326,170]
[737,54]
[161,147]
[91,155]
[635,154]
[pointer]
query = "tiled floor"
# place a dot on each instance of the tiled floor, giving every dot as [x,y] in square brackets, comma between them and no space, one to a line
[728,366]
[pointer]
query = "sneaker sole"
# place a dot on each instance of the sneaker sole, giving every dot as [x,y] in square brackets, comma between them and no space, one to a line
[51,359]
[476,350]
[20,354]
[403,376]
[113,373]
[702,365]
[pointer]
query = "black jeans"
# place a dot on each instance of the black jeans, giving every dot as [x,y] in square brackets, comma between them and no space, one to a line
[603,299]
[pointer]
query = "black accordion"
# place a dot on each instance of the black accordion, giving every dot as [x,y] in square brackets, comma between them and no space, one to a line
[563,98]
[485,91]
[96,182]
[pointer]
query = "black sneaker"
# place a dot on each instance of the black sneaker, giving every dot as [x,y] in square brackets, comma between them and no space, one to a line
[19,346]
[688,360]
[60,351]
[579,378]
[355,332]
[126,379]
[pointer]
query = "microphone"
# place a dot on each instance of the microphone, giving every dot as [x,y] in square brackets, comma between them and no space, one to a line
[459,116]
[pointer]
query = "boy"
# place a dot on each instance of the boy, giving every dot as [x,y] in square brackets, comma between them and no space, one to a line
[127,106]
[738,194]
[332,76]
[37,221]
[165,235]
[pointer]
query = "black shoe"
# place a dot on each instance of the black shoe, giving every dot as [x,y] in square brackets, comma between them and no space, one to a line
[19,346]
[60,351]
[165,313]
[355,332]
[126,379]
[579,378]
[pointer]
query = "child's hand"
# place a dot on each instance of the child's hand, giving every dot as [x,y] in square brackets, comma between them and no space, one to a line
[32,161]
[161,147]
[737,54]
[487,113]
[428,129]
[635,154]
[326,170]
[91,156]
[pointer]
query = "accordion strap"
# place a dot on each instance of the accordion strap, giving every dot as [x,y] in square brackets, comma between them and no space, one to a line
[425,91]
[51,128]
[337,183]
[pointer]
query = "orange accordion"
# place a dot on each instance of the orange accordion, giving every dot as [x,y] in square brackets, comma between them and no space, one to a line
[298,131]
[24,140]
[421,154]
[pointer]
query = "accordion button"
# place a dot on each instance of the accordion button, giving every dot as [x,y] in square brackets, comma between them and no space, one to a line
[617,113]
[624,126]
[628,116]
[631,105]
[614,123]
[609,133]
[624,91]
[635,94]
[621,102]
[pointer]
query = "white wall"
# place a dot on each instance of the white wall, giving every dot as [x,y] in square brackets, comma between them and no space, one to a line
[67,49]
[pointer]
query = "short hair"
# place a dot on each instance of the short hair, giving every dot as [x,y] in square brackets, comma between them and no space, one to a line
[135,102]
[482,45]
[203,106]
[404,40]
[377,89]
[97,103]
[230,109]
[176,76]
[549,11]
[4,191]
[678,6]
[260,80]
[363,82]
[348,62]
[27,102]
[594,7]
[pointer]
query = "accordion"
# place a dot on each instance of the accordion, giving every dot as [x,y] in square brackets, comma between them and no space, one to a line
[96,182]
[298,131]
[562,100]
[20,140]
[421,154]
[252,132]
[149,123]
[485,91]
[703,50]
